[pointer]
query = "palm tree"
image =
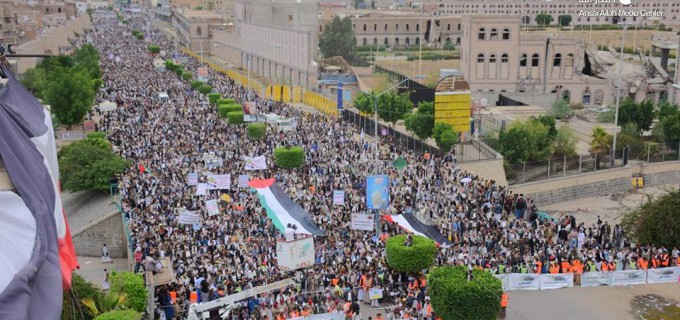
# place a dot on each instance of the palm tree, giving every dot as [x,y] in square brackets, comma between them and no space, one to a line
[106,303]
[600,143]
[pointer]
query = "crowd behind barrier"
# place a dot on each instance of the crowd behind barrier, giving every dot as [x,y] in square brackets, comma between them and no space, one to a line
[490,226]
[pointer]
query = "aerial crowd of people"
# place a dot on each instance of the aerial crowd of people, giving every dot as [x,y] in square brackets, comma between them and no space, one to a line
[489,226]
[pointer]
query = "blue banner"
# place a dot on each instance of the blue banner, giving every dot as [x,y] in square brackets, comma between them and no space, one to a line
[377,192]
[340,96]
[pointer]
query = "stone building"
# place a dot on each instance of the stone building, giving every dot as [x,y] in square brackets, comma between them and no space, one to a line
[194,27]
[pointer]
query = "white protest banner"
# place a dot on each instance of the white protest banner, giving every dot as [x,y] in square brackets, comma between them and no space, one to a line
[192,179]
[594,279]
[243,180]
[557,281]
[219,181]
[362,222]
[628,277]
[339,197]
[201,189]
[524,281]
[504,278]
[257,163]
[212,208]
[662,275]
[189,217]
[375,293]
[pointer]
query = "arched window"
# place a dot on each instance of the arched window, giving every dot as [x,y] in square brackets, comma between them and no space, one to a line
[523,60]
[199,31]
[534,60]
[59,10]
[506,34]
[566,95]
[407,27]
[365,41]
[482,34]
[375,41]
[494,34]
[480,58]
[557,61]
[396,41]
[385,26]
[570,60]
[586,96]
[504,58]
[492,58]
[387,41]
[418,40]
[408,41]
[364,27]
[375,27]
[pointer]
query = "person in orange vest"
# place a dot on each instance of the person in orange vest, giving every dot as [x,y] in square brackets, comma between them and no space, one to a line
[280,316]
[566,266]
[504,305]
[379,316]
[538,266]
[656,262]
[577,267]
[642,263]
[554,269]
[665,259]
[305,311]
[604,267]
[612,265]
[294,313]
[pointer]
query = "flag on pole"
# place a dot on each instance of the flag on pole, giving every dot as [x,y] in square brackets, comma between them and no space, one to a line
[399,163]
[142,169]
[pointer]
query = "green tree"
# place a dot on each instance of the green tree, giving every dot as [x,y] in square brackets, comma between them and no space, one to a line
[81,289]
[656,221]
[393,107]
[34,80]
[70,95]
[642,114]
[365,103]
[564,20]
[600,144]
[670,127]
[564,143]
[543,19]
[515,144]
[550,123]
[205,89]
[88,165]
[338,39]
[415,258]
[560,109]
[422,122]
[444,136]
[132,286]
[455,296]
[87,58]
[120,315]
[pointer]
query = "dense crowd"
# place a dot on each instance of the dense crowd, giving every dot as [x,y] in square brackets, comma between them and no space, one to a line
[490,226]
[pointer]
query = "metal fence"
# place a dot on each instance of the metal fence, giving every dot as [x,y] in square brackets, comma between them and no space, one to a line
[70,135]
[555,167]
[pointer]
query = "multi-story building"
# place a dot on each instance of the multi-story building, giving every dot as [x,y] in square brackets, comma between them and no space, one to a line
[193,27]
[277,39]
[497,57]
[664,11]
[9,26]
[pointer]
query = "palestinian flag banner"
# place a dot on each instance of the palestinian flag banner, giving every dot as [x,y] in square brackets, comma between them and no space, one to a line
[411,224]
[282,210]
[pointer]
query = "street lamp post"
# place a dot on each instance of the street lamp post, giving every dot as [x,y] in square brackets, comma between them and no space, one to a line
[249,65]
[618,93]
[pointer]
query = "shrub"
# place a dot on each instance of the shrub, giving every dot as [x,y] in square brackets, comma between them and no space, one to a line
[655,220]
[225,109]
[139,36]
[195,84]
[178,70]
[154,48]
[235,117]
[120,315]
[213,97]
[132,285]
[419,256]
[289,157]
[204,89]
[454,297]
[226,101]
[96,135]
[83,289]
[257,131]
[186,75]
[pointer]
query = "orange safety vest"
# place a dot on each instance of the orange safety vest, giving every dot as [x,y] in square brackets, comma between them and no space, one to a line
[294,314]
[504,300]
[367,284]
[280,317]
[577,266]
[566,267]
[554,269]
[423,282]
[642,263]
[539,267]
[612,266]
[664,260]
[428,311]
[306,313]
[605,266]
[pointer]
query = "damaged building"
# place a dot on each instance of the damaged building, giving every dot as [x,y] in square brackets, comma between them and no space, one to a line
[497,57]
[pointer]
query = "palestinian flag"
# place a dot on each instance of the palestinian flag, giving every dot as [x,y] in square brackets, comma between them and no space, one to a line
[411,224]
[282,210]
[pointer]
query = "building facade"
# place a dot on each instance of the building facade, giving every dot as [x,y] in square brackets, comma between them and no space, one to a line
[529,9]
[194,28]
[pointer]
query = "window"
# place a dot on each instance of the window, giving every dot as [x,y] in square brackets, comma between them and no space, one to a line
[492,58]
[290,18]
[480,58]
[364,27]
[199,31]
[506,34]
[570,60]
[448,26]
[534,60]
[566,95]
[375,27]
[523,60]
[417,41]
[365,41]
[375,41]
[481,34]
[408,41]
[59,10]
[396,26]
[504,58]
[320,28]
[459,26]
[396,41]
[387,42]
[385,26]
[586,96]
[557,61]
[417,27]
[494,34]
[407,27]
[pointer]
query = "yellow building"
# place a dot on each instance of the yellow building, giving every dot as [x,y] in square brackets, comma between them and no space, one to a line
[452,103]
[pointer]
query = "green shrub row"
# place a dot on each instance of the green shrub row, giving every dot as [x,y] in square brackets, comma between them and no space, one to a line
[235,117]
[257,131]
[453,297]
[419,256]
[289,157]
[224,109]
[213,97]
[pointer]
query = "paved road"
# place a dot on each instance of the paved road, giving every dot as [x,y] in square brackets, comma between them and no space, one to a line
[92,268]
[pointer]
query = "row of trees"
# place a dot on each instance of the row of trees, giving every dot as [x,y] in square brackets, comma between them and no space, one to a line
[67,83]
[535,139]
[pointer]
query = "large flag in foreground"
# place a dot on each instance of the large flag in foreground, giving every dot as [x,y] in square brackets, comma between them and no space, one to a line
[33,231]
[411,224]
[282,210]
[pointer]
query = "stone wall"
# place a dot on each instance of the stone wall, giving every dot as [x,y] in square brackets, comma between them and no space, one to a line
[486,169]
[109,230]
[599,183]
